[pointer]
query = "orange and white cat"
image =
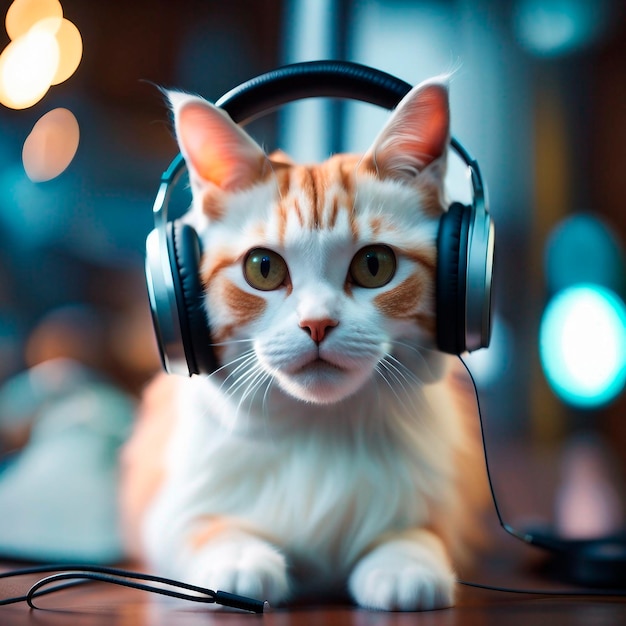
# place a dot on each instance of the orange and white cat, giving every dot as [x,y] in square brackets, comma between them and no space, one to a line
[330,451]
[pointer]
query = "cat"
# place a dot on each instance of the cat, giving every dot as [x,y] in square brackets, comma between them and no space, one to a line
[332,450]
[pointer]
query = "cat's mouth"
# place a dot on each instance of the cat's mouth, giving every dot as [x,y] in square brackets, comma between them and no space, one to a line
[314,361]
[319,364]
[322,379]
[317,380]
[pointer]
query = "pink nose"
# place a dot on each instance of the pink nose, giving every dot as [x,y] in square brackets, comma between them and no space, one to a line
[318,329]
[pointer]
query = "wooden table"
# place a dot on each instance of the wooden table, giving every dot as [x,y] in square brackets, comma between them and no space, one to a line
[104,605]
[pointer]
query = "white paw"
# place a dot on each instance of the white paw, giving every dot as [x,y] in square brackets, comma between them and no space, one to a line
[245,566]
[402,576]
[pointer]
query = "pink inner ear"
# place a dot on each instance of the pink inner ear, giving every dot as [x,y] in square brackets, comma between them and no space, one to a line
[433,128]
[216,149]
[417,133]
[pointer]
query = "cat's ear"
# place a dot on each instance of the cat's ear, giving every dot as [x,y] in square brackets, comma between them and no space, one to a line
[416,135]
[217,151]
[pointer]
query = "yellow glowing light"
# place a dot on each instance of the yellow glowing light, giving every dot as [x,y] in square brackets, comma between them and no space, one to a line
[27,67]
[24,14]
[51,145]
[49,24]
[71,49]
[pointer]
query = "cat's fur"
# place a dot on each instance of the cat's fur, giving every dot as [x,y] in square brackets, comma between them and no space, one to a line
[331,451]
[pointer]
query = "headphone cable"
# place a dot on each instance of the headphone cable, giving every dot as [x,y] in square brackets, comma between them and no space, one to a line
[525,537]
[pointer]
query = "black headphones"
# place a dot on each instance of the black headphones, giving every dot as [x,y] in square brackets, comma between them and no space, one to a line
[465,240]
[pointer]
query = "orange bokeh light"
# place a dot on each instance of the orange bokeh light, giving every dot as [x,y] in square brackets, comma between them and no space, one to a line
[71,49]
[24,14]
[51,145]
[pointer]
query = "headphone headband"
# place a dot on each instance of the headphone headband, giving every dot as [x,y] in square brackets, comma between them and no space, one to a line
[313,79]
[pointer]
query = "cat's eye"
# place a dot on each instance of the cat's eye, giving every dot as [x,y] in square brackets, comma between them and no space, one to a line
[264,269]
[373,266]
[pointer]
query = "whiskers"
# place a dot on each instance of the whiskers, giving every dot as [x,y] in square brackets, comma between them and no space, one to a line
[418,350]
[398,382]
[403,383]
[243,378]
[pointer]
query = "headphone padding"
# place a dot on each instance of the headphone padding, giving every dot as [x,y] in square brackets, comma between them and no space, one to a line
[190,299]
[452,238]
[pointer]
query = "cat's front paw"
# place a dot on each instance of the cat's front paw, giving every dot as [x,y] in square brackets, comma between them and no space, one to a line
[402,576]
[244,566]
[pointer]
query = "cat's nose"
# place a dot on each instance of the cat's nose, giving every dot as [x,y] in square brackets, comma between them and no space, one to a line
[318,329]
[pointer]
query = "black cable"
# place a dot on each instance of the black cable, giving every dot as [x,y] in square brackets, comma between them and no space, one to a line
[114,580]
[44,592]
[576,593]
[525,537]
[80,573]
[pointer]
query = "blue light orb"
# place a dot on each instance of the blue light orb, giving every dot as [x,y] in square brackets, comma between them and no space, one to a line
[551,28]
[582,345]
[583,248]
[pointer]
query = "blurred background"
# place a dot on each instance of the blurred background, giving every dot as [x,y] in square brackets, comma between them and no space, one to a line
[538,96]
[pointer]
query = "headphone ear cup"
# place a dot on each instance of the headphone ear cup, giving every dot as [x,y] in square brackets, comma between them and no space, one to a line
[185,255]
[452,243]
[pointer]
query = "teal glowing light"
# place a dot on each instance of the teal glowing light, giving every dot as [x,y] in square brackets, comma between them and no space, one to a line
[582,345]
[558,27]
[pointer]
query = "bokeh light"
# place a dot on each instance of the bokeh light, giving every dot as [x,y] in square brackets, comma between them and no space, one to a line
[27,68]
[582,248]
[24,14]
[552,28]
[51,145]
[45,50]
[582,345]
[71,51]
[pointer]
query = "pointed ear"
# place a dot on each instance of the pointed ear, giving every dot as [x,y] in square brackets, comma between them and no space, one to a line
[416,135]
[216,150]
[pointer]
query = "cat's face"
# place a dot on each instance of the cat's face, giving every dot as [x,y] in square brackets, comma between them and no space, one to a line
[315,274]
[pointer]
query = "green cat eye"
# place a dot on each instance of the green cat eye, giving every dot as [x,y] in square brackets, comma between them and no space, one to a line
[264,269]
[373,266]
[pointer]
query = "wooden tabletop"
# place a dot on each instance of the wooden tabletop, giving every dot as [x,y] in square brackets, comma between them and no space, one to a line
[105,605]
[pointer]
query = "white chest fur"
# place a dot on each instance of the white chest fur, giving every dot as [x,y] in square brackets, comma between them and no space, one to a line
[321,484]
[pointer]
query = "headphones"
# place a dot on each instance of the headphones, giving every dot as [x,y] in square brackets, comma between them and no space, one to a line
[465,239]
